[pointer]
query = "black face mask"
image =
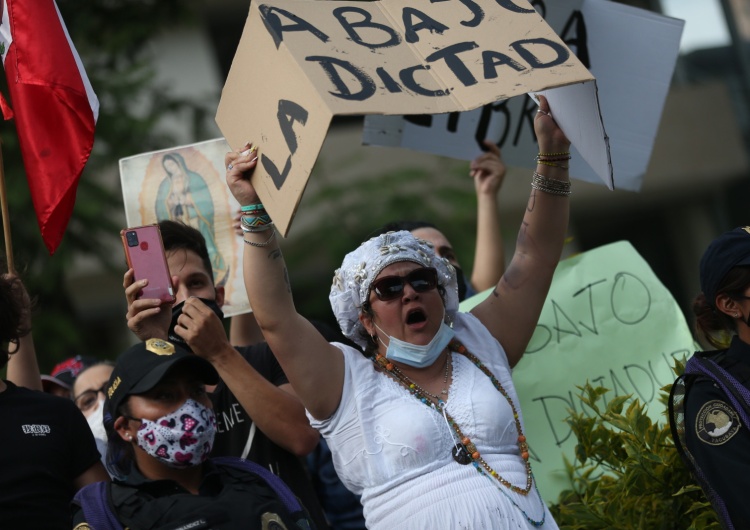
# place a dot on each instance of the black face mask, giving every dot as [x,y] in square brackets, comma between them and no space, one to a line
[177,311]
[461,284]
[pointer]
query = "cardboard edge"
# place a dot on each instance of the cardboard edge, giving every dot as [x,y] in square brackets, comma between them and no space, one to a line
[603,167]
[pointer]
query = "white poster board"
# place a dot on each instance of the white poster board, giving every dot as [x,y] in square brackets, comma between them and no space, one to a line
[631,52]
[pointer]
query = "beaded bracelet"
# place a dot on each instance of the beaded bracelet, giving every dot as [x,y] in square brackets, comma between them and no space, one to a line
[551,164]
[259,229]
[264,244]
[552,158]
[255,220]
[551,186]
[252,207]
[256,224]
[263,228]
[564,153]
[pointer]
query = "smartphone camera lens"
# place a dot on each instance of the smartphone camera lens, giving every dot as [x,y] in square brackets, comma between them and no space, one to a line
[132,238]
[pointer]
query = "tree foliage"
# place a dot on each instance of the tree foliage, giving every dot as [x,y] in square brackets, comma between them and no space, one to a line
[113,38]
[346,215]
[627,473]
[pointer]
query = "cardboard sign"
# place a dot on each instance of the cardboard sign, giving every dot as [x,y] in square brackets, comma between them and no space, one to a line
[607,320]
[299,63]
[632,52]
[187,184]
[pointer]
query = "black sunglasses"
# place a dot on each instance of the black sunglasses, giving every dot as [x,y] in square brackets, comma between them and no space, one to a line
[391,287]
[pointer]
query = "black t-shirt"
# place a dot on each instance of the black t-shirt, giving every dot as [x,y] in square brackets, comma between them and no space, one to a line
[237,435]
[46,444]
[228,498]
[234,427]
[717,437]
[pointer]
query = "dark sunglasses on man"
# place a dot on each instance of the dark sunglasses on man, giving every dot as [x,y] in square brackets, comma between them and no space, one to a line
[391,287]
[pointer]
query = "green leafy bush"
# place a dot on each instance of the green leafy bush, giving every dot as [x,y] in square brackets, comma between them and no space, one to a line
[627,473]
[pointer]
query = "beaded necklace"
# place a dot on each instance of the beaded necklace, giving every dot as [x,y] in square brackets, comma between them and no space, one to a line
[465,452]
[414,386]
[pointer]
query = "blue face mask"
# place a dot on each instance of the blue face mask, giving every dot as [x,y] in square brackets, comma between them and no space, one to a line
[415,355]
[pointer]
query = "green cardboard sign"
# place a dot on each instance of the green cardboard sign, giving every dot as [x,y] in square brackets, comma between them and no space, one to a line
[607,320]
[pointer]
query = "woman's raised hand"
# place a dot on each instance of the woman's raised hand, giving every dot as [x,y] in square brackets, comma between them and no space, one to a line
[240,165]
[549,135]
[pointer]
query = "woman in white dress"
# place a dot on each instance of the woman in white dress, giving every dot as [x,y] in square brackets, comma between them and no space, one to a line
[424,422]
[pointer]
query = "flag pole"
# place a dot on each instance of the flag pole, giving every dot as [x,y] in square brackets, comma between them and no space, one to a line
[6,216]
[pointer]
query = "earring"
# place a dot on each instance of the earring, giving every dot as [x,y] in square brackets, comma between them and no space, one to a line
[130,437]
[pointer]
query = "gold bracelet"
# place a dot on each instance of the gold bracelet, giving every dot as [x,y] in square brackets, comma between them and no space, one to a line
[563,153]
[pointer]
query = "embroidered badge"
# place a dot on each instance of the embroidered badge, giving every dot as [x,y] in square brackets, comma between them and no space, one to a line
[82,526]
[160,347]
[113,387]
[271,521]
[716,423]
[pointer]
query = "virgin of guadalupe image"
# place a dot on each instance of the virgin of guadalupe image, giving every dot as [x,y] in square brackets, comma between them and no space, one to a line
[184,196]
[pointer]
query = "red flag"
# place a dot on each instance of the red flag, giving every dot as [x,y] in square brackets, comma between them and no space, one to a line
[55,108]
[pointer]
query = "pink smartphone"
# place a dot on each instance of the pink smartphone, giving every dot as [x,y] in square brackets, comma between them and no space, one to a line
[145,254]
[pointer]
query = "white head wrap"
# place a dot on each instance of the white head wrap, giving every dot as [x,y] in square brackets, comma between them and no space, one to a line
[351,282]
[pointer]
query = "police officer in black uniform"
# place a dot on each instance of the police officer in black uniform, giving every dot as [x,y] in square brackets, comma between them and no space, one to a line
[160,427]
[710,404]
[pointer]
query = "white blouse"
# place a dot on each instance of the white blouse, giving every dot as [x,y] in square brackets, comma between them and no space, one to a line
[396,452]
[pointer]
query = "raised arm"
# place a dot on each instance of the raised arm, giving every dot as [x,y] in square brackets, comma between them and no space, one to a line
[276,410]
[488,172]
[511,312]
[243,329]
[314,367]
[23,368]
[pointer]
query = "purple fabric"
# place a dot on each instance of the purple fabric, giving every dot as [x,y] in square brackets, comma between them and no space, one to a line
[699,367]
[710,369]
[279,486]
[96,510]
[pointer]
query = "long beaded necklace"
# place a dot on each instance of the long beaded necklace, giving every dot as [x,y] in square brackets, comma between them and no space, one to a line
[465,452]
[414,386]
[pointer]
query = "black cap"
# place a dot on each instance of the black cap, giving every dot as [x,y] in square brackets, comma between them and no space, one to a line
[729,250]
[140,368]
[65,373]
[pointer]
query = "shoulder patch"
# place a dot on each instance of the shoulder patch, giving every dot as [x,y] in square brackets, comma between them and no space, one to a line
[716,423]
[82,526]
[271,521]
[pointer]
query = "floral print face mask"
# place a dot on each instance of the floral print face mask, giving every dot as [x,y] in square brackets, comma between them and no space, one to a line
[181,439]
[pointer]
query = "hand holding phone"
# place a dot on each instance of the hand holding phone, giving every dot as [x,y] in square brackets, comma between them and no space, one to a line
[145,254]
